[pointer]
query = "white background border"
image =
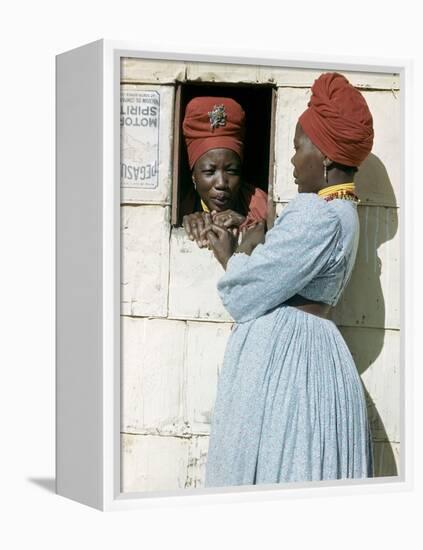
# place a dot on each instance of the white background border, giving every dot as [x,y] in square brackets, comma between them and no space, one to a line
[36,32]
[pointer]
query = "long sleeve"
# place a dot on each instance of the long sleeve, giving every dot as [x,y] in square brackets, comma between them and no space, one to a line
[298,248]
[254,202]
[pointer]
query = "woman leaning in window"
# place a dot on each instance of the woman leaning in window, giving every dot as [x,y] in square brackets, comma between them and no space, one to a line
[214,129]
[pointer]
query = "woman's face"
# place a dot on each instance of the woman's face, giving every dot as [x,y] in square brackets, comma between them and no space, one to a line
[308,163]
[217,175]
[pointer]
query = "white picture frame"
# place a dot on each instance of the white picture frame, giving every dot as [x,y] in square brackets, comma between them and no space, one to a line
[88,281]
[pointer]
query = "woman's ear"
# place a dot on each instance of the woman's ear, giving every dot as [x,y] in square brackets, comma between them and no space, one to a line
[194,182]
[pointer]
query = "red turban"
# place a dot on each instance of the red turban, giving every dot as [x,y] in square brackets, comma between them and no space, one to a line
[211,123]
[338,120]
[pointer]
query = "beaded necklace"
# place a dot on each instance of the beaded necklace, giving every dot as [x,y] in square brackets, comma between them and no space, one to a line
[344,191]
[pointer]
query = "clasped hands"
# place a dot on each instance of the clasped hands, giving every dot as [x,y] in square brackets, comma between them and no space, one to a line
[197,224]
[219,232]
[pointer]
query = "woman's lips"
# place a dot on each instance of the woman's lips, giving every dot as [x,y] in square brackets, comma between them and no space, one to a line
[221,201]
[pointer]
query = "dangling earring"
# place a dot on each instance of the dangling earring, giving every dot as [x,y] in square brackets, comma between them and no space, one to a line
[325,172]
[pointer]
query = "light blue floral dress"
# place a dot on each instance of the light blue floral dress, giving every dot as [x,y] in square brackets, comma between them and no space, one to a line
[290,404]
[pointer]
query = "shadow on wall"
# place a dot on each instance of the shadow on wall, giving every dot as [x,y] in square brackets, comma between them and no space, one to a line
[363,305]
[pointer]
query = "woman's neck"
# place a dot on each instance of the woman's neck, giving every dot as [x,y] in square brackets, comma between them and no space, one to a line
[337,177]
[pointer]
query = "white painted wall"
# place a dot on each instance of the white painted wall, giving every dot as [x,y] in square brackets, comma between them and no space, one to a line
[174,328]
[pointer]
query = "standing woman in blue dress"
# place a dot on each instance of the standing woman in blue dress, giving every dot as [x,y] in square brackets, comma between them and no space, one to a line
[290,404]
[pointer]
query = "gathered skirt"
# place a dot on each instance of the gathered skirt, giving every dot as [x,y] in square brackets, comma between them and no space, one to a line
[290,405]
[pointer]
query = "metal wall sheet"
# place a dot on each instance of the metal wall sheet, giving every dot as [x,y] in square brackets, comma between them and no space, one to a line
[203,360]
[225,73]
[283,76]
[372,296]
[154,463]
[153,383]
[376,353]
[151,71]
[193,276]
[145,260]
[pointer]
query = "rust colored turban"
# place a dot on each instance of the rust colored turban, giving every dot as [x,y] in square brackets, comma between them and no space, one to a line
[211,123]
[338,120]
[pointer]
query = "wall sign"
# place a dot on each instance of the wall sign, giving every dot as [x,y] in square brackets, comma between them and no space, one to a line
[139,124]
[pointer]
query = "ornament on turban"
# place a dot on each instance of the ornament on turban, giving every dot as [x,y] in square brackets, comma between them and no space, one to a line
[213,123]
[338,120]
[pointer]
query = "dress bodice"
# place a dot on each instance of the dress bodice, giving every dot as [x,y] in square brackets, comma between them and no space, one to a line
[310,250]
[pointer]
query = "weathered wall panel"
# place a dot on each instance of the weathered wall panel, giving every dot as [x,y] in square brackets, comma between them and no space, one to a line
[154,463]
[216,72]
[387,459]
[205,347]
[379,178]
[376,353]
[197,459]
[170,389]
[153,376]
[151,71]
[145,260]
[291,102]
[282,76]
[194,273]
[289,77]
[371,298]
